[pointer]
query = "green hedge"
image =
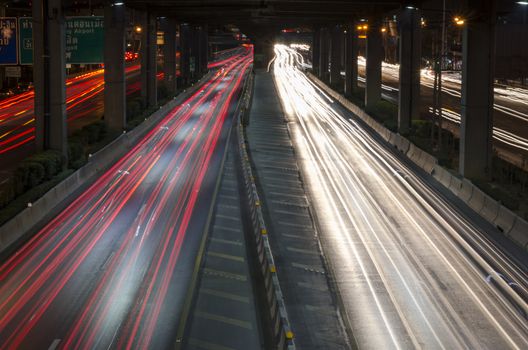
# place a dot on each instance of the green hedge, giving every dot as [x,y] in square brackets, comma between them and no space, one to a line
[30,196]
[36,169]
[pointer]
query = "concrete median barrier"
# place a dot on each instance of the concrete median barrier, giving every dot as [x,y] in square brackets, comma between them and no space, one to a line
[456,185]
[466,190]
[505,220]
[490,209]
[519,233]
[442,175]
[476,202]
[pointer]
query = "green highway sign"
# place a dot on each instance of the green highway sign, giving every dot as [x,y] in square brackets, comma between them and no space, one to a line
[84,40]
[25,27]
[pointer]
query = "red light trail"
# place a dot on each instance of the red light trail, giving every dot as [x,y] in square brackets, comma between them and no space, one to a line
[109,262]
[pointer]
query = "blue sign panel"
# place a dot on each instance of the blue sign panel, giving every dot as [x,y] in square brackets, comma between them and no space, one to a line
[8,41]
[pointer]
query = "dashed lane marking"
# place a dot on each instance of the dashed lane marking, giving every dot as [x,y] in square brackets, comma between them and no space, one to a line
[286,223]
[225,228]
[225,295]
[226,256]
[226,241]
[234,218]
[225,274]
[307,268]
[290,235]
[303,251]
[223,319]
[286,212]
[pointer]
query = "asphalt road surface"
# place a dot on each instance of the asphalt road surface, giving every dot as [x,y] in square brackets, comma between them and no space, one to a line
[413,270]
[112,269]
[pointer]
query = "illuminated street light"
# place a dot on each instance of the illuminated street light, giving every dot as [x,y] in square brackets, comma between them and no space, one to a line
[459,21]
[138,29]
[525,3]
[383,29]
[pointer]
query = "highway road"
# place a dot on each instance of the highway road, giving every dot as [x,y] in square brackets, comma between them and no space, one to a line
[84,101]
[411,268]
[510,113]
[112,269]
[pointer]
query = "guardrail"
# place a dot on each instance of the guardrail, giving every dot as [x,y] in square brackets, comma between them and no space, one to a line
[277,310]
[18,228]
[507,222]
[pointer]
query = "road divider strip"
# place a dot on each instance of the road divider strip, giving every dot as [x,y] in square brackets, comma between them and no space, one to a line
[507,222]
[278,316]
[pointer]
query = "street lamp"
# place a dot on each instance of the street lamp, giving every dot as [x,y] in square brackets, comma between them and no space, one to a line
[459,21]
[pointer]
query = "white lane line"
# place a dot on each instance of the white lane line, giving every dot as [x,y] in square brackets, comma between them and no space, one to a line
[286,223]
[302,251]
[227,241]
[224,319]
[226,256]
[225,228]
[287,212]
[225,295]
[307,268]
[54,344]
[233,218]
[289,235]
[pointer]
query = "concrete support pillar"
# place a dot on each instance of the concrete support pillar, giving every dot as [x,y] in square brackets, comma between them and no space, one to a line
[351,55]
[204,49]
[114,62]
[49,69]
[149,48]
[410,59]
[336,55]
[194,56]
[478,49]
[184,53]
[373,69]
[316,43]
[169,25]
[2,69]
[324,54]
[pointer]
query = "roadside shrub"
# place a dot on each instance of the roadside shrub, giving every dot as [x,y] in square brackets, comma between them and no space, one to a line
[27,175]
[76,156]
[50,160]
